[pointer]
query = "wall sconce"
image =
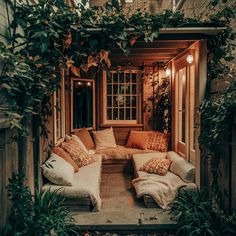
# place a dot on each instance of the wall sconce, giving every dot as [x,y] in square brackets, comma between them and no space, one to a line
[168,72]
[189,58]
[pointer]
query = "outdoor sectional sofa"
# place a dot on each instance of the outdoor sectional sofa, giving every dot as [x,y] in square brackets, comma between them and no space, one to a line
[84,194]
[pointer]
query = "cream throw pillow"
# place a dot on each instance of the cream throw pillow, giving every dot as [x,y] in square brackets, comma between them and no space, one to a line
[58,171]
[104,139]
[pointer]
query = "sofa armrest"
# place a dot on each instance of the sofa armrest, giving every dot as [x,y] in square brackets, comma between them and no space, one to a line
[182,168]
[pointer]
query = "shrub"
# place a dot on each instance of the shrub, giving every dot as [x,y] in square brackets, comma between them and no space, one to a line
[42,214]
[197,215]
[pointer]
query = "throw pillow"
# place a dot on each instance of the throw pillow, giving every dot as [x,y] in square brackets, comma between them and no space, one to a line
[157,141]
[156,166]
[85,137]
[81,144]
[80,157]
[137,139]
[104,139]
[58,171]
[61,153]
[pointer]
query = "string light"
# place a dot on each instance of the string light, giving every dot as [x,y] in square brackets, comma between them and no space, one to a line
[168,72]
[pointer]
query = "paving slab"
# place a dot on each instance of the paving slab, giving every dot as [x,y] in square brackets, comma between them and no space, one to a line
[121,210]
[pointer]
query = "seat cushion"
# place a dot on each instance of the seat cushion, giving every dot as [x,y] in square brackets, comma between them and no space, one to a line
[182,168]
[86,184]
[120,153]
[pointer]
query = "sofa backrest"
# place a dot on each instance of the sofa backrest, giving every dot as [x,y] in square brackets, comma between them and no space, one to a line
[182,168]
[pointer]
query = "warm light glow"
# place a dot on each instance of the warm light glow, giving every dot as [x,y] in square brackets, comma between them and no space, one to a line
[89,84]
[168,72]
[79,83]
[190,58]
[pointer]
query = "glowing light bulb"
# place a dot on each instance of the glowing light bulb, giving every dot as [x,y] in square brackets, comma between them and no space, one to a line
[190,58]
[89,84]
[168,72]
[79,83]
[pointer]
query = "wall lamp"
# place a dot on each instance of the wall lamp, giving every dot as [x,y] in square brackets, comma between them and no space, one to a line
[168,72]
[189,58]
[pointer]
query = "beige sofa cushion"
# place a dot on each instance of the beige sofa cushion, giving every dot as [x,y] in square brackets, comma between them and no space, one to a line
[182,168]
[104,139]
[58,171]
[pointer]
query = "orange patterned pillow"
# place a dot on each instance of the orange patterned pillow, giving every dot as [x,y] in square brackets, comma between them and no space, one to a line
[137,139]
[157,141]
[80,157]
[63,154]
[156,166]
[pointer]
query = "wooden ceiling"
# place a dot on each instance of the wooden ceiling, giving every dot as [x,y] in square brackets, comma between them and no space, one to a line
[149,53]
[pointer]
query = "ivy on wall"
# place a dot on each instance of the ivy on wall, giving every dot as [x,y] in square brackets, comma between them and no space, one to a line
[56,37]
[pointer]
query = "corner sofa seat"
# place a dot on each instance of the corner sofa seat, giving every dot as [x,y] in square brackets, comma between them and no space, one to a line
[180,176]
[84,194]
[120,153]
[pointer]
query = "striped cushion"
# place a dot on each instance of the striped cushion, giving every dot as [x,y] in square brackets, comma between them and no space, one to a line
[80,157]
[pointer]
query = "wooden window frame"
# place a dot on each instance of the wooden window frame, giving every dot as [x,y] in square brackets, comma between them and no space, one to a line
[72,103]
[104,100]
[56,139]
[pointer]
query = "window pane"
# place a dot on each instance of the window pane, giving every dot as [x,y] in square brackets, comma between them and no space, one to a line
[122,116]
[115,78]
[82,105]
[109,77]
[121,101]
[121,89]
[109,89]
[127,101]
[134,77]
[133,88]
[127,89]
[127,77]
[121,77]
[115,89]
[115,114]
[109,114]
[109,101]
[134,114]
[133,101]
[128,113]
[115,101]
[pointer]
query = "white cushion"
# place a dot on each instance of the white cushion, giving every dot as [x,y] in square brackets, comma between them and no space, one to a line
[58,171]
[104,139]
[182,168]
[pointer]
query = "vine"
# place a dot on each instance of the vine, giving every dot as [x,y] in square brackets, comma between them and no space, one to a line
[56,37]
